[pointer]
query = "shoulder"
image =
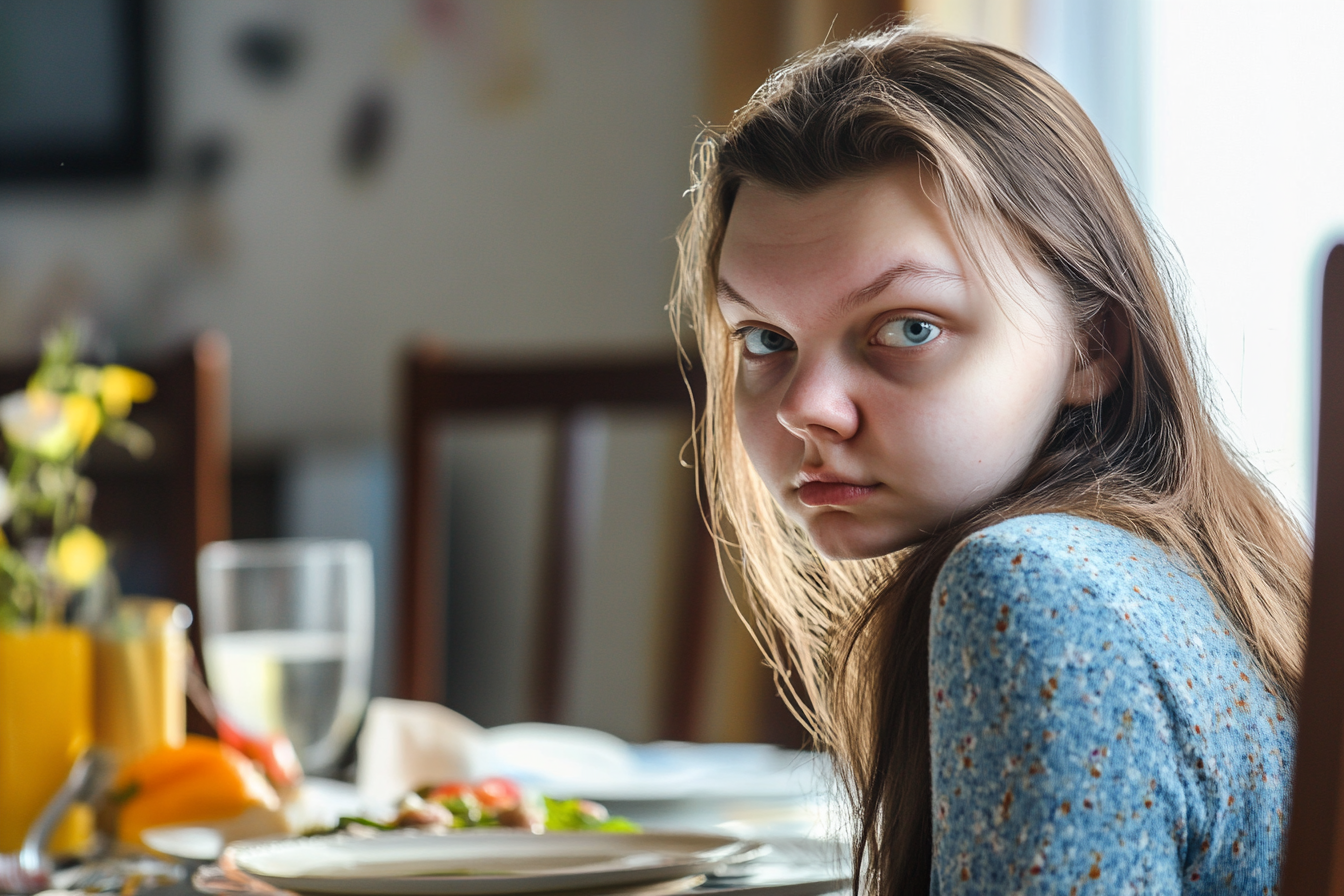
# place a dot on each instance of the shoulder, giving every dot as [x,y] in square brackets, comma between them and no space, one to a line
[1062,580]
[1070,543]
[1056,555]
[1050,742]
[1104,667]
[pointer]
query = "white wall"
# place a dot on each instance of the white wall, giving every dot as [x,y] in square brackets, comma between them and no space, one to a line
[1097,50]
[542,227]
[1247,177]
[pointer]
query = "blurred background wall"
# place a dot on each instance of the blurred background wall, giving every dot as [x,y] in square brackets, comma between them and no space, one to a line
[334,178]
[522,199]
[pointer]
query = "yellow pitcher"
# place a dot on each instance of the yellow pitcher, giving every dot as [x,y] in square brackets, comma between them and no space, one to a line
[46,722]
[140,660]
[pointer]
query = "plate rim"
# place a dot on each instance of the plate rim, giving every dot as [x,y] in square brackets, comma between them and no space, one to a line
[725,848]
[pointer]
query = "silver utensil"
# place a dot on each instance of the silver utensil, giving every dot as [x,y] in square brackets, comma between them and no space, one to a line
[29,870]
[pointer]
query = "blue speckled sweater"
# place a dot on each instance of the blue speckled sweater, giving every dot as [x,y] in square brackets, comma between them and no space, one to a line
[1095,725]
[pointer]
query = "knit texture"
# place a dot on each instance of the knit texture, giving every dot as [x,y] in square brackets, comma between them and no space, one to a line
[1096,726]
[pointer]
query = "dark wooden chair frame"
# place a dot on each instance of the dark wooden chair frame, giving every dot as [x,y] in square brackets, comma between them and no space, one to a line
[1314,854]
[437,387]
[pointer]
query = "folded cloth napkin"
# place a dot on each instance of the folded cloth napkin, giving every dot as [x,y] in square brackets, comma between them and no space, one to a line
[407,744]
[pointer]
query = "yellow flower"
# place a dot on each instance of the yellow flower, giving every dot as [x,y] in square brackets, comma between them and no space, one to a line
[87,379]
[83,418]
[78,557]
[120,386]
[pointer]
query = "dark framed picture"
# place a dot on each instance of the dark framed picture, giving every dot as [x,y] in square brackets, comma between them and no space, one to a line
[75,91]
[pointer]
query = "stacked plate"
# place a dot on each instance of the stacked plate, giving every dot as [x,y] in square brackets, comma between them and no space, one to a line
[476,863]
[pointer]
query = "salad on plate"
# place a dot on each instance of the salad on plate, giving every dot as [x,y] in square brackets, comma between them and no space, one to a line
[492,802]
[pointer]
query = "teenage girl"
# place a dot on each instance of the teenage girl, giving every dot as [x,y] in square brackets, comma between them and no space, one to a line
[1050,625]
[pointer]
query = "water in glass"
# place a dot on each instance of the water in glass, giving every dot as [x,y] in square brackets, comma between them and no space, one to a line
[287,631]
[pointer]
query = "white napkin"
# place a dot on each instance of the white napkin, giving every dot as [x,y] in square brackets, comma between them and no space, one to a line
[406,744]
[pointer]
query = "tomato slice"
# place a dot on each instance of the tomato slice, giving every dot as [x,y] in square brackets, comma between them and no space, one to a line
[274,753]
[498,793]
[450,791]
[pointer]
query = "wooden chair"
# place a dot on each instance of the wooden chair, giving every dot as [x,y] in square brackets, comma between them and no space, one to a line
[1314,854]
[436,388]
[159,512]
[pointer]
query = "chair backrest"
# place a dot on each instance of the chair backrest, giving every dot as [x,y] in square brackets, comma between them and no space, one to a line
[1314,855]
[437,387]
[159,512]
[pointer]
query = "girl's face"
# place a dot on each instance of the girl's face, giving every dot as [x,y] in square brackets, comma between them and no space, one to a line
[883,389]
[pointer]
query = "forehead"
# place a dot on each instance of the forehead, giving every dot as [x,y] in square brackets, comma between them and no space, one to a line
[855,228]
[804,258]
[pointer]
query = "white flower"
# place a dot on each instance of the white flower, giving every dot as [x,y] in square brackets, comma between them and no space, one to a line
[34,419]
[6,497]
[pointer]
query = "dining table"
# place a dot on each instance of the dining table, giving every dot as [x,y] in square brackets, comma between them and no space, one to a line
[779,809]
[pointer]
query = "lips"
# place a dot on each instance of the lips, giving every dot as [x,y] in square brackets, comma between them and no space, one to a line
[817,494]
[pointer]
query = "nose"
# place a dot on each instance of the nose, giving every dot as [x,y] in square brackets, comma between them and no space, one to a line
[817,404]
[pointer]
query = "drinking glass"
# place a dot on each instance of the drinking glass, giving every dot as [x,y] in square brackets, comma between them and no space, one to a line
[287,632]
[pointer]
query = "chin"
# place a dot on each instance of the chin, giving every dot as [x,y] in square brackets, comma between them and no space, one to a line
[849,539]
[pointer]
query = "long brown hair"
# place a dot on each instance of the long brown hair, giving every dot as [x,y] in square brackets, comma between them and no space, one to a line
[1018,164]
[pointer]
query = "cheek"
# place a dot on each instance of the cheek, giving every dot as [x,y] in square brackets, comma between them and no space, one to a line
[976,435]
[769,445]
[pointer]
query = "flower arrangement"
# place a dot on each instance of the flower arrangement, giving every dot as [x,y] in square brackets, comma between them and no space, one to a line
[47,550]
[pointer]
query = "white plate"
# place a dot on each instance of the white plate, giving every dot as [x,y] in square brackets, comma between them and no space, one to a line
[413,863]
[185,841]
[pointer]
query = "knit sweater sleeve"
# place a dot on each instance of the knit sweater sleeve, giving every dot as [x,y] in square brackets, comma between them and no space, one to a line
[1054,766]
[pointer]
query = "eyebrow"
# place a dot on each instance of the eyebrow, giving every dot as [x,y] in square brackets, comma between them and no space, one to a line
[906,271]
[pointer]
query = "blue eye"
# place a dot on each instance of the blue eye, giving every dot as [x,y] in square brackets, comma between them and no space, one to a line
[760,341]
[907,332]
